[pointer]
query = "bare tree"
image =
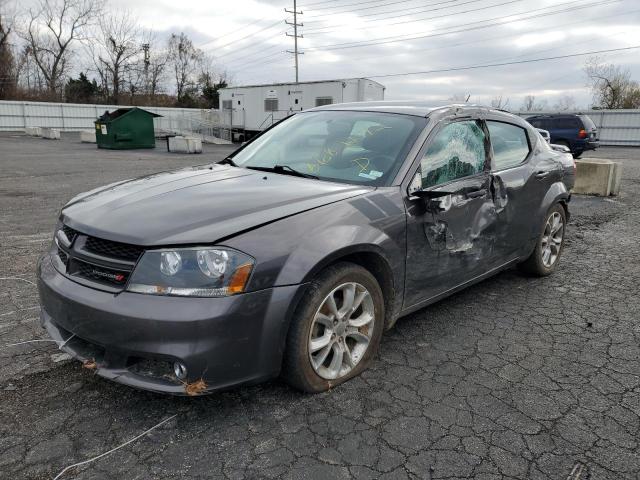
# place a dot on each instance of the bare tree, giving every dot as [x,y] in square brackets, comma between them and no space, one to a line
[500,103]
[210,81]
[52,27]
[565,103]
[118,45]
[184,58]
[531,104]
[8,67]
[612,85]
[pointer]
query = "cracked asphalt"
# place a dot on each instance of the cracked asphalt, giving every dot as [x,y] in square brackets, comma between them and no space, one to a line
[515,377]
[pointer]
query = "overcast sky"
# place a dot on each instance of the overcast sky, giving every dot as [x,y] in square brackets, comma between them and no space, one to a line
[247,38]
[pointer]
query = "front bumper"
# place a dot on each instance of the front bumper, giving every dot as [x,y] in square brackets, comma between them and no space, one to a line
[134,338]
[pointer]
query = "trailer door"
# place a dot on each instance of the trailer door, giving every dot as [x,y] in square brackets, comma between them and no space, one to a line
[237,113]
[295,100]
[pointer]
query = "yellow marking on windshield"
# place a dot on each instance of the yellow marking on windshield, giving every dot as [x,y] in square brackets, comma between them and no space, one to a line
[358,161]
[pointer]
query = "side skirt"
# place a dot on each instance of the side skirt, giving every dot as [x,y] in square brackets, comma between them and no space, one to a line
[462,286]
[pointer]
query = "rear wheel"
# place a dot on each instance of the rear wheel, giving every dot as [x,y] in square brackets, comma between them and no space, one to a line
[336,330]
[545,256]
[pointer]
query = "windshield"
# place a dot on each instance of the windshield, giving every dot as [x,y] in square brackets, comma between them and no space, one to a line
[351,147]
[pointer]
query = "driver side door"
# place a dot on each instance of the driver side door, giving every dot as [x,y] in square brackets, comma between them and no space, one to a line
[451,216]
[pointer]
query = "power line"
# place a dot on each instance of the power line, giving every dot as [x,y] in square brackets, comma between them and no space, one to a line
[320,3]
[502,64]
[268,27]
[397,38]
[316,30]
[352,4]
[235,52]
[498,37]
[253,54]
[251,65]
[367,8]
[237,29]
[397,10]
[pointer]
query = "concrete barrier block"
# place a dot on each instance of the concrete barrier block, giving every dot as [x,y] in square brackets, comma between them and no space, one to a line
[194,145]
[178,145]
[33,131]
[594,176]
[88,136]
[617,179]
[50,133]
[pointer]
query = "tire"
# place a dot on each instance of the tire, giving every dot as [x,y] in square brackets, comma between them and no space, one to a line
[311,320]
[577,155]
[537,263]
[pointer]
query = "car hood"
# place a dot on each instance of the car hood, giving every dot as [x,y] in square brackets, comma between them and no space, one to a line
[197,205]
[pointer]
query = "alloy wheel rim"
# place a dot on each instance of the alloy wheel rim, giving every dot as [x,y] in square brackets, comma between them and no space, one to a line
[552,239]
[341,330]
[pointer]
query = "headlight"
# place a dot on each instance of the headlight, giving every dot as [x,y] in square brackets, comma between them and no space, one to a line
[192,272]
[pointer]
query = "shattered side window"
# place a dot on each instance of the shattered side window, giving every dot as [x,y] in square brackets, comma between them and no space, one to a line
[510,144]
[458,151]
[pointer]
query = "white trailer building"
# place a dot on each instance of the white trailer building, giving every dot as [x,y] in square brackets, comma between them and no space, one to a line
[250,109]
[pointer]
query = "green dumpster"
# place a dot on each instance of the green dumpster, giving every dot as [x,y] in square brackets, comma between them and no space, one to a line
[126,128]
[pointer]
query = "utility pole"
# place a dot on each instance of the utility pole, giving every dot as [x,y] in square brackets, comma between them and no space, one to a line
[295,35]
[145,49]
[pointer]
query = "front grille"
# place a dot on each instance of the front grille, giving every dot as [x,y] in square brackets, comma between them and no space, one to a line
[98,261]
[69,232]
[98,274]
[63,256]
[116,250]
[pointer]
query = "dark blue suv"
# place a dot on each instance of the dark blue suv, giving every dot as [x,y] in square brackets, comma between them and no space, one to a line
[577,132]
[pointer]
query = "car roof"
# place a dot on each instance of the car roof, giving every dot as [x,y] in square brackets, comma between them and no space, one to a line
[416,108]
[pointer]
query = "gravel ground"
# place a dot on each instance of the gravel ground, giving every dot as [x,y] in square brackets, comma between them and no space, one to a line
[513,378]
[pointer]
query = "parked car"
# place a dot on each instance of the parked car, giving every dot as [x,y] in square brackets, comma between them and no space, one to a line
[576,132]
[293,255]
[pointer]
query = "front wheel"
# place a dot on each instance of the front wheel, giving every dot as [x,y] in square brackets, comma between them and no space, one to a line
[544,259]
[336,329]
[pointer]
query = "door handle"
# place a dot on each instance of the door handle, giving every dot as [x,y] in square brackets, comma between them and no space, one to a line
[477,193]
[542,173]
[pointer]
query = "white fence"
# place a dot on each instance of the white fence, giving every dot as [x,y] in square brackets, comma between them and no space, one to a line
[615,127]
[15,115]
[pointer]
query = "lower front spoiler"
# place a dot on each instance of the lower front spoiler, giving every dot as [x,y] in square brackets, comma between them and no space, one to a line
[94,355]
[134,339]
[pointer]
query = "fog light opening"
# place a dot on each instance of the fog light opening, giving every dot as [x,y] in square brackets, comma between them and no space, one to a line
[180,370]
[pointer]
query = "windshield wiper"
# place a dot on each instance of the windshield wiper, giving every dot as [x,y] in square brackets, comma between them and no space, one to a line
[285,170]
[227,161]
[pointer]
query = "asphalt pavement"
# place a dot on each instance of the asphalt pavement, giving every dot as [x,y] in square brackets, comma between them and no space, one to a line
[515,377]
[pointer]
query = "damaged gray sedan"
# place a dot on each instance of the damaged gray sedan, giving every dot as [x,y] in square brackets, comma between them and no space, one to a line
[293,255]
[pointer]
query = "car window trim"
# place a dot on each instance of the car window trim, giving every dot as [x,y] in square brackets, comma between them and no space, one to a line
[433,133]
[529,143]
